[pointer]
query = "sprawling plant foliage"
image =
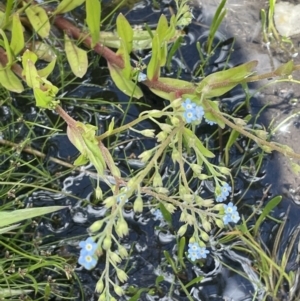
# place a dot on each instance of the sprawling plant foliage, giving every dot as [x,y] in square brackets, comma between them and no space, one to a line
[188,105]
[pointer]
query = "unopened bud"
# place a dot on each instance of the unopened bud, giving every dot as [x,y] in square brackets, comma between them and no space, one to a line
[219,223]
[109,202]
[166,127]
[204,236]
[206,225]
[157,180]
[96,226]
[196,168]
[99,286]
[182,230]
[161,136]
[118,290]
[121,227]
[148,133]
[175,121]
[121,275]
[115,258]
[138,204]
[98,193]
[175,155]
[145,156]
[123,252]
[106,243]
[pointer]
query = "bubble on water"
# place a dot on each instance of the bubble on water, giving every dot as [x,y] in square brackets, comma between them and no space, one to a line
[140,247]
[80,216]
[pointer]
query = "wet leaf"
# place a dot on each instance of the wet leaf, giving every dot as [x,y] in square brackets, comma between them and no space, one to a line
[10,81]
[45,72]
[77,57]
[12,217]
[93,17]
[285,69]
[67,5]
[7,48]
[268,208]
[219,83]
[127,86]
[125,31]
[153,69]
[17,40]
[38,19]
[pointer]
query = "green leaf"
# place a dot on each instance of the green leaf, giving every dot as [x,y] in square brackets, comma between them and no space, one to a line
[67,5]
[12,217]
[77,57]
[93,17]
[39,20]
[166,214]
[218,83]
[285,69]
[81,160]
[127,86]
[45,72]
[17,40]
[7,48]
[162,27]
[268,208]
[125,31]
[153,69]
[10,81]
[45,98]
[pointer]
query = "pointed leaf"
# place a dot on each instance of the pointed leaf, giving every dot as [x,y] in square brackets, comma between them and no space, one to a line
[77,57]
[7,48]
[12,217]
[125,31]
[81,160]
[127,86]
[93,17]
[10,81]
[38,19]
[153,69]
[219,83]
[67,5]
[17,40]
[48,69]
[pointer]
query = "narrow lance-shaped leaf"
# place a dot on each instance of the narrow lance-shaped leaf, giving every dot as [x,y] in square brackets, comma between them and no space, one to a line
[17,40]
[48,69]
[218,83]
[93,17]
[153,69]
[11,217]
[125,31]
[10,81]
[127,86]
[38,19]
[7,48]
[67,5]
[77,57]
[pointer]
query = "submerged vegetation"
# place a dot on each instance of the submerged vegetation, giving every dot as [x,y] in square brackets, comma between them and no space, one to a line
[43,56]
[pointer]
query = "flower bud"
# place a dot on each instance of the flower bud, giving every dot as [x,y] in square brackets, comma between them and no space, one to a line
[114,258]
[162,190]
[109,202]
[196,168]
[121,275]
[99,286]
[170,208]
[204,236]
[138,204]
[183,216]
[148,133]
[106,243]
[102,297]
[175,155]
[219,223]
[224,170]
[118,290]
[155,113]
[167,128]
[157,180]
[121,227]
[123,252]
[203,177]
[175,121]
[206,225]
[176,102]
[145,156]
[96,226]
[182,230]
[98,193]
[161,136]
[192,240]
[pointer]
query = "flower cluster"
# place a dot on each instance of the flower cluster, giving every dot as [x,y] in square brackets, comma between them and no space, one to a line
[196,252]
[192,112]
[88,257]
[225,190]
[231,214]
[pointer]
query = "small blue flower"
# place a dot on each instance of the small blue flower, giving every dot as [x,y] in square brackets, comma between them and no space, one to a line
[210,122]
[142,77]
[196,252]
[88,246]
[225,190]
[158,214]
[199,112]
[231,214]
[189,116]
[188,104]
[87,260]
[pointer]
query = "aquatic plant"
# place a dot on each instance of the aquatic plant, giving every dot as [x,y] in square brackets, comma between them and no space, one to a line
[187,107]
